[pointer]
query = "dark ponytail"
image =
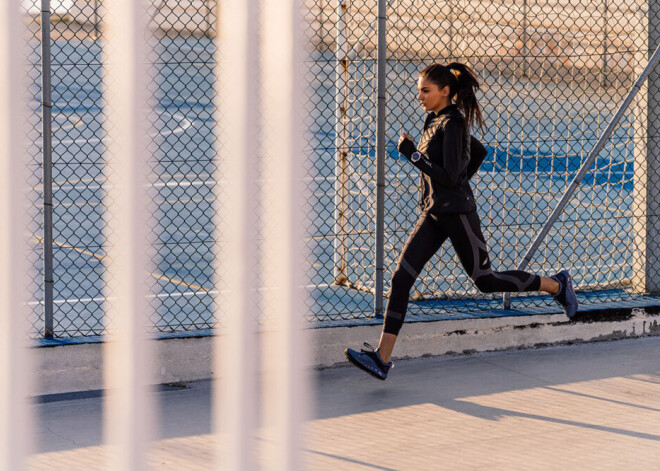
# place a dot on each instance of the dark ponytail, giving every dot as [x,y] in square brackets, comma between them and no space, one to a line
[463,85]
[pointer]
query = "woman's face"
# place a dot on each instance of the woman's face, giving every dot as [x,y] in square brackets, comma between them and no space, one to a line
[431,96]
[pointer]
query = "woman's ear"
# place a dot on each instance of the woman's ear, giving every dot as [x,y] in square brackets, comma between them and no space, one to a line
[445,90]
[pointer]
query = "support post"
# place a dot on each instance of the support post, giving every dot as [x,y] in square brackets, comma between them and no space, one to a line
[341,148]
[47,158]
[525,40]
[646,199]
[380,157]
[605,80]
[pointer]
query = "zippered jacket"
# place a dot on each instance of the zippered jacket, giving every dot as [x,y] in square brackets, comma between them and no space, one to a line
[448,157]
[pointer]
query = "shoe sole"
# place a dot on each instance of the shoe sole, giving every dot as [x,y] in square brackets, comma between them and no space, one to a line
[354,362]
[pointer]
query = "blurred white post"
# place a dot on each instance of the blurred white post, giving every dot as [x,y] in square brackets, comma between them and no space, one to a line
[284,216]
[127,356]
[236,353]
[15,366]
[341,148]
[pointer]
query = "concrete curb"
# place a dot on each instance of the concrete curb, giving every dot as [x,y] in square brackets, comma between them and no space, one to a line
[79,366]
[467,336]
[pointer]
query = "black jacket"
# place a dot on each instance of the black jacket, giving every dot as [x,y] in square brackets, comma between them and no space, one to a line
[449,157]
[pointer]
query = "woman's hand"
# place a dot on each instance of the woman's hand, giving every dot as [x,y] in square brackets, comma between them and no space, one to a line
[406,145]
[403,137]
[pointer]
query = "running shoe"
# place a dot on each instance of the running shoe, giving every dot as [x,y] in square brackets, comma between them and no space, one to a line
[369,360]
[566,295]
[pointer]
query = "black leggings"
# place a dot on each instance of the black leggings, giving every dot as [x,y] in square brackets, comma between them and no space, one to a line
[464,231]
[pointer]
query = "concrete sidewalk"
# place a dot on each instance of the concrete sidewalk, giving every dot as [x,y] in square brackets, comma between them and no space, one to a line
[588,406]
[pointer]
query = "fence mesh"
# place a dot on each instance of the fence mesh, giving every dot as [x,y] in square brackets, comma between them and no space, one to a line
[552,76]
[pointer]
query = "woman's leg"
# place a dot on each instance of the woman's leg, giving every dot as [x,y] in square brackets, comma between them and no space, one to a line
[423,243]
[468,241]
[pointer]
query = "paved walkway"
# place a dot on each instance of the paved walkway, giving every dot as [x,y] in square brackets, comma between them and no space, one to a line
[580,407]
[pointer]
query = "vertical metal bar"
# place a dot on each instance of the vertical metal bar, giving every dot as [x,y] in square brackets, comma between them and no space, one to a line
[127,358]
[380,157]
[235,400]
[96,20]
[587,163]
[605,81]
[15,366]
[525,38]
[47,157]
[645,219]
[284,209]
[341,159]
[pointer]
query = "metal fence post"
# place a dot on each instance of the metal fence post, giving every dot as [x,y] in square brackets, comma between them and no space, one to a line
[47,153]
[341,160]
[525,39]
[96,20]
[606,8]
[646,203]
[380,157]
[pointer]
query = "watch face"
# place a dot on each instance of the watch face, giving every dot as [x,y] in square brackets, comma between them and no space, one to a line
[416,156]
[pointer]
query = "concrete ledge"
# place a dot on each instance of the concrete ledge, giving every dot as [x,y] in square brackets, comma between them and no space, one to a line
[464,336]
[79,366]
[76,366]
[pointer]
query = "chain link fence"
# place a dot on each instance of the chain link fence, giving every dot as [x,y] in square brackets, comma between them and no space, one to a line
[553,75]
[552,72]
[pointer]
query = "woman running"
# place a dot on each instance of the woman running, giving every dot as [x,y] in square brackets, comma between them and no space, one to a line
[448,210]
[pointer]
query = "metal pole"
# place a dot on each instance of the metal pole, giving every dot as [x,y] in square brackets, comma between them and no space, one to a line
[525,39]
[96,19]
[341,162]
[47,156]
[605,81]
[380,157]
[585,167]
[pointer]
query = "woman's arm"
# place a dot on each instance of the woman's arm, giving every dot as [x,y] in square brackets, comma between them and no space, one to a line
[452,148]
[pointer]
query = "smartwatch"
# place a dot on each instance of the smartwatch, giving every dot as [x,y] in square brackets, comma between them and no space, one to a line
[415,156]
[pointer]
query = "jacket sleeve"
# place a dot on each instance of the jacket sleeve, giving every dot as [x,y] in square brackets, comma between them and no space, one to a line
[436,172]
[477,155]
[447,175]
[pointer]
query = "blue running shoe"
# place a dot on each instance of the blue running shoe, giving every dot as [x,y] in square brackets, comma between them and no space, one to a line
[566,295]
[369,361]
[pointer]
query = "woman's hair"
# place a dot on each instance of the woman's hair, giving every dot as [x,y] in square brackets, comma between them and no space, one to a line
[463,85]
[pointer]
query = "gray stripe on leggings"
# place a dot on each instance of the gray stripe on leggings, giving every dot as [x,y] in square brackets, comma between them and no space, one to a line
[477,271]
[475,244]
[393,315]
[522,286]
[408,267]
